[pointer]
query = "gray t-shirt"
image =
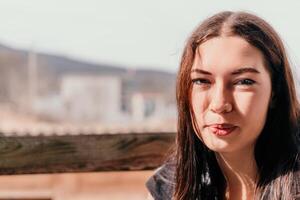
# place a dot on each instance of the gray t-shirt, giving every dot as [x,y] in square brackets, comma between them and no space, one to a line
[161,185]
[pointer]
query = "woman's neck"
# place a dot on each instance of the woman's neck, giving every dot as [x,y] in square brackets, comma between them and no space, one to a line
[240,171]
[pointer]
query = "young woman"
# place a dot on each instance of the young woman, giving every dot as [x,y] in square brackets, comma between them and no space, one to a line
[238,123]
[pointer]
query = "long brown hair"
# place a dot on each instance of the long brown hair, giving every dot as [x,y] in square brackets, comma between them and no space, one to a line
[198,175]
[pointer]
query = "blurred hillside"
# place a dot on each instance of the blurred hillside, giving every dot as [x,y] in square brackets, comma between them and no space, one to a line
[51,68]
[54,88]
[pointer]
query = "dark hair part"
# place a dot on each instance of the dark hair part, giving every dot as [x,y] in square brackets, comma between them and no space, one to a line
[198,175]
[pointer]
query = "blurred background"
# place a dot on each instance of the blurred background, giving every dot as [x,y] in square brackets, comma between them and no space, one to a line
[103,67]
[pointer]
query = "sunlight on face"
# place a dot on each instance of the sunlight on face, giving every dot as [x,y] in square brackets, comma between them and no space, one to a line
[230,95]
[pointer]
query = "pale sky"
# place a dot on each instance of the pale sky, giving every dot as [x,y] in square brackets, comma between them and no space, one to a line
[131,33]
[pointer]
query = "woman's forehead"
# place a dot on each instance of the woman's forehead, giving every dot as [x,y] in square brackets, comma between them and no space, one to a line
[227,54]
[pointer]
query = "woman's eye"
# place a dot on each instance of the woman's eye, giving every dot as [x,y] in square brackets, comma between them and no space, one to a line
[245,82]
[200,81]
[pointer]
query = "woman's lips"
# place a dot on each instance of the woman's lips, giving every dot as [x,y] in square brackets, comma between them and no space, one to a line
[222,129]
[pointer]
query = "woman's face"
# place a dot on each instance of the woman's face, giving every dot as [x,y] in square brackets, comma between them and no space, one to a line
[231,91]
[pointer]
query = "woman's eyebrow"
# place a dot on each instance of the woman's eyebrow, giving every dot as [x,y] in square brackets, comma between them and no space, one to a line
[200,71]
[245,70]
[235,72]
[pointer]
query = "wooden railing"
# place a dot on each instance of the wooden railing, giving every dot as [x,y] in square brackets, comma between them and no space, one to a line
[83,153]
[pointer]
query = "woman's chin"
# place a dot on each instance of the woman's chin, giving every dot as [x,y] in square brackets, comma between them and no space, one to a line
[221,149]
[220,146]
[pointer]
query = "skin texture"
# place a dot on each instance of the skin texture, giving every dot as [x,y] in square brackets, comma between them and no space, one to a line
[231,95]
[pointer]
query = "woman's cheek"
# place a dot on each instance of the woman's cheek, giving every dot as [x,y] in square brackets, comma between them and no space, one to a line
[245,103]
[252,108]
[199,102]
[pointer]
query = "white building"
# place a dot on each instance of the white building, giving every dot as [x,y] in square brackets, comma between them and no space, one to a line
[148,106]
[91,98]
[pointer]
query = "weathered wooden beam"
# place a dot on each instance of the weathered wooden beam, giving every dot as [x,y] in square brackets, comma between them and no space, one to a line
[83,153]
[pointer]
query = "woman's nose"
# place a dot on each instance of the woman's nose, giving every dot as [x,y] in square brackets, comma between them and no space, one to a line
[220,101]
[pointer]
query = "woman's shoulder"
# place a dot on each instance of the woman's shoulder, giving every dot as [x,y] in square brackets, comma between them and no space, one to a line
[161,183]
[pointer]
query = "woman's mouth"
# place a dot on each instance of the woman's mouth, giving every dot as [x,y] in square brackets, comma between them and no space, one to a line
[222,129]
